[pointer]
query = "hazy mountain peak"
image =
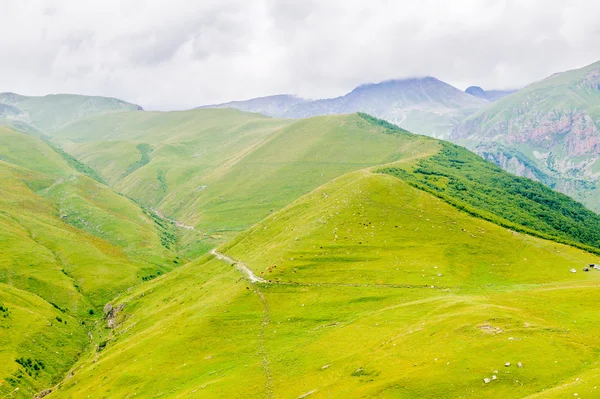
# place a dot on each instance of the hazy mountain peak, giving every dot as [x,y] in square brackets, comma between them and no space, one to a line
[489,95]
[274,105]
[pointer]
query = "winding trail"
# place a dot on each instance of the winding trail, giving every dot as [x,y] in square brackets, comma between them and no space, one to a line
[177,223]
[245,270]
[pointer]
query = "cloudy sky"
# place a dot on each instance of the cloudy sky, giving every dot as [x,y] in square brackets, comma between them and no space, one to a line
[179,54]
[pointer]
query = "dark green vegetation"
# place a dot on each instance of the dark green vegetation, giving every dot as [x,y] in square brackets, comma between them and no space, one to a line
[375,287]
[462,179]
[77,165]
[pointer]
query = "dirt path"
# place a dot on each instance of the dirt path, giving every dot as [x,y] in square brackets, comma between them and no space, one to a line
[262,348]
[177,223]
[245,270]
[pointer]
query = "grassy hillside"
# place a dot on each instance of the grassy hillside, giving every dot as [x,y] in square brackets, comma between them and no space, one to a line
[48,113]
[379,290]
[482,189]
[69,245]
[389,267]
[223,170]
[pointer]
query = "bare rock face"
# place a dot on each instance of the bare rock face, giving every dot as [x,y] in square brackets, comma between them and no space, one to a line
[107,309]
[111,314]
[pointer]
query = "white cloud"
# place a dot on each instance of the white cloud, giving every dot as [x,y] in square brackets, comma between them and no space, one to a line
[180,54]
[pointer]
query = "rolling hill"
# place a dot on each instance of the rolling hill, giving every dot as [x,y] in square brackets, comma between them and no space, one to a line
[51,112]
[385,264]
[69,245]
[374,287]
[221,171]
[548,131]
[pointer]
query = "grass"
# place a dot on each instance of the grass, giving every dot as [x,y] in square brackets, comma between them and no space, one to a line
[69,245]
[464,180]
[224,170]
[377,287]
[356,316]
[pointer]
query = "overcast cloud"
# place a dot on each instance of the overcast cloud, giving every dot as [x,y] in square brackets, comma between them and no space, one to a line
[179,54]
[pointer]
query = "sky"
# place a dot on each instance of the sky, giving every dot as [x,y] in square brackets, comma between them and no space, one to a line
[180,54]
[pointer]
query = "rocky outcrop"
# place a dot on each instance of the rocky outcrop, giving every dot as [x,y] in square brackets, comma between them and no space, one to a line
[111,314]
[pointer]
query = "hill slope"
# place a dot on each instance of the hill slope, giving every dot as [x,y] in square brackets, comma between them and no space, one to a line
[378,275]
[222,170]
[548,131]
[378,289]
[51,112]
[69,244]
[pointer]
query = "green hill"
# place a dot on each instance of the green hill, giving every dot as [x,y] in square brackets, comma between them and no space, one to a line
[49,113]
[378,289]
[69,245]
[388,264]
[224,170]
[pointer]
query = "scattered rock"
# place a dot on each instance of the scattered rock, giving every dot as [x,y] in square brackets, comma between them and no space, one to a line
[325,367]
[573,271]
[494,377]
[520,365]
[45,392]
[487,380]
[507,364]
[108,308]
[486,328]
[111,316]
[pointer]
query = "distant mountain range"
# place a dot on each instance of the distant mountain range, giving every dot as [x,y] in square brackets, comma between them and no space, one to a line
[490,95]
[422,105]
[274,106]
[547,131]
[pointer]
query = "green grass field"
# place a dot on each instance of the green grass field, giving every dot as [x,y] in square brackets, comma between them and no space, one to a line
[359,308]
[384,279]
[69,245]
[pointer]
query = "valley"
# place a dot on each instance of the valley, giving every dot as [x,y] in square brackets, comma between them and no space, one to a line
[226,254]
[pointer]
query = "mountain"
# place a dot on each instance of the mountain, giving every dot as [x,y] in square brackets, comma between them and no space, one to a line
[219,253]
[548,131]
[422,105]
[419,275]
[222,170]
[69,245]
[274,106]
[54,111]
[490,95]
